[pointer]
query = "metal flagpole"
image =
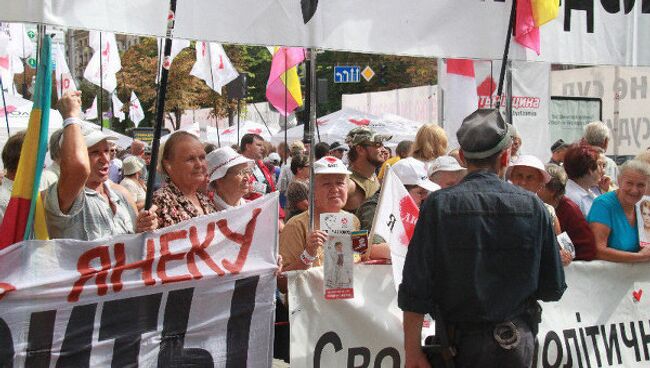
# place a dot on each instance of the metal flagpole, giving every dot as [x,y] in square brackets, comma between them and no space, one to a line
[4,105]
[311,92]
[160,105]
[101,84]
[506,50]
[286,92]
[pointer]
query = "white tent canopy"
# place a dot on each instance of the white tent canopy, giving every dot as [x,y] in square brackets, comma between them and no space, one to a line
[335,126]
[228,136]
[442,28]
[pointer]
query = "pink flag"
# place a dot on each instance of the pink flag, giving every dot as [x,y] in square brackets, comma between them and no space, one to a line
[460,97]
[283,88]
[526,33]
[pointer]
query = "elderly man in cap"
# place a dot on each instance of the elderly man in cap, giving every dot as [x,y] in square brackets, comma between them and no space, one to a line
[482,254]
[558,150]
[84,204]
[446,171]
[365,156]
[338,149]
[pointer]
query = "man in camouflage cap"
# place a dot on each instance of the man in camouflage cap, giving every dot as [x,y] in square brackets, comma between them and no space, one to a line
[482,253]
[365,156]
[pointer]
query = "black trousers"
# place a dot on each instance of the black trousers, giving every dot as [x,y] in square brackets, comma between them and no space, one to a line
[478,348]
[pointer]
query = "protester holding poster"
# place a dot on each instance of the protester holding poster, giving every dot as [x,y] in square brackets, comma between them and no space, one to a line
[301,248]
[613,216]
[482,253]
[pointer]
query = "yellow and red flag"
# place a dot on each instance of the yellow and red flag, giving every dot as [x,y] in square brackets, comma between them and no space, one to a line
[25,216]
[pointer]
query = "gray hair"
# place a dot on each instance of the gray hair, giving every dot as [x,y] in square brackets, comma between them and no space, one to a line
[638,166]
[55,147]
[557,184]
[596,133]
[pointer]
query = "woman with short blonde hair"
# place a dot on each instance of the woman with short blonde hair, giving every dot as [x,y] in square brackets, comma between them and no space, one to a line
[430,143]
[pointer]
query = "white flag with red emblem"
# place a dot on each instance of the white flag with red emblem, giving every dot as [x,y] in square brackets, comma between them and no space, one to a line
[64,81]
[117,108]
[107,52]
[213,66]
[177,47]
[395,220]
[135,110]
[91,113]
[460,97]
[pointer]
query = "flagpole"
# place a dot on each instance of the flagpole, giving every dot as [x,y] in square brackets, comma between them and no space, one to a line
[506,50]
[101,85]
[286,92]
[311,82]
[4,105]
[238,114]
[216,124]
[160,106]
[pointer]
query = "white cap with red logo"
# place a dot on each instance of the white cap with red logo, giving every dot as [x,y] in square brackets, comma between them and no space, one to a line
[411,171]
[330,165]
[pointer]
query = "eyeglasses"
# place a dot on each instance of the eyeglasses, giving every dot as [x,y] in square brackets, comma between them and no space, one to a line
[244,172]
[374,145]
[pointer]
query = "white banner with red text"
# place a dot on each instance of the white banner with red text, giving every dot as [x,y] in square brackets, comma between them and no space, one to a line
[603,320]
[585,32]
[198,293]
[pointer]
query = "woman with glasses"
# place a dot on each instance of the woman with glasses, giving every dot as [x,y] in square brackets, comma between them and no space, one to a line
[229,174]
[182,163]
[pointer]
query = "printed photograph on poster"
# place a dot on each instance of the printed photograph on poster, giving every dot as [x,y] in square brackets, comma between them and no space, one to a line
[567,244]
[337,267]
[337,251]
[643,221]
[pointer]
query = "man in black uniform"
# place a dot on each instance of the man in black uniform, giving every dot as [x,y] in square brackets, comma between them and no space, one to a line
[482,253]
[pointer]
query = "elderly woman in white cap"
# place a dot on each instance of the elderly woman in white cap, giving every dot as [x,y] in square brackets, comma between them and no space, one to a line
[446,171]
[529,173]
[131,169]
[229,174]
[300,248]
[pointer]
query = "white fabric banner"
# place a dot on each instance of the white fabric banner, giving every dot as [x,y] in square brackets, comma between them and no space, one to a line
[198,293]
[585,32]
[601,321]
[625,97]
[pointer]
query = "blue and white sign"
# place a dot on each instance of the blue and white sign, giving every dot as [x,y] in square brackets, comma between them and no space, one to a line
[347,74]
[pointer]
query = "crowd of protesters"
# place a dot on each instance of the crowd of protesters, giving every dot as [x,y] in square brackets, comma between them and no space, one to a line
[91,190]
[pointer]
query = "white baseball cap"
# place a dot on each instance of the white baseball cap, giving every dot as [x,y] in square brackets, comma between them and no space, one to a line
[330,165]
[445,163]
[411,171]
[530,161]
[274,157]
[222,159]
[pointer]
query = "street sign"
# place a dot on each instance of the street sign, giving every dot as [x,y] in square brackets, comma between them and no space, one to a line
[347,74]
[368,73]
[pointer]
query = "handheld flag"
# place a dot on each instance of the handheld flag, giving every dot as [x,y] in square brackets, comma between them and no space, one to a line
[531,14]
[25,216]
[135,110]
[64,81]
[177,47]
[110,59]
[283,88]
[213,66]
[91,113]
[395,219]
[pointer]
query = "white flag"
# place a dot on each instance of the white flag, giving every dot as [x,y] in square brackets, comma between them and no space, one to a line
[117,108]
[460,96]
[64,81]
[213,66]
[91,113]
[10,63]
[177,47]
[110,59]
[135,110]
[395,220]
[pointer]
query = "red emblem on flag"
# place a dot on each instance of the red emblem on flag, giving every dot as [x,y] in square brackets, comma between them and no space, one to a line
[361,122]
[9,110]
[408,213]
[255,131]
[4,62]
